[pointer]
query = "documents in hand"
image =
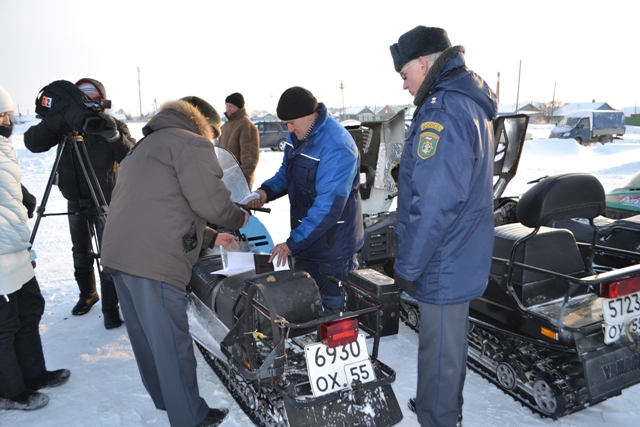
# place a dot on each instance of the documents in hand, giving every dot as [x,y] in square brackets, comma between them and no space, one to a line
[250,197]
[235,263]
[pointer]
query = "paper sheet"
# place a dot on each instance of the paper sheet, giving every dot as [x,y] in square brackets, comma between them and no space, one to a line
[236,262]
[250,197]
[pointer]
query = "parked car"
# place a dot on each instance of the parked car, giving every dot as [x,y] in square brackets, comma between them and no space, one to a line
[272,134]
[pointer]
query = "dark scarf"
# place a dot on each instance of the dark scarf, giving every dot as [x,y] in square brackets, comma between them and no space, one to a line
[433,72]
[6,130]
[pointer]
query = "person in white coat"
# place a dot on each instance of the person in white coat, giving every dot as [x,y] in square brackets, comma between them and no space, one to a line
[22,364]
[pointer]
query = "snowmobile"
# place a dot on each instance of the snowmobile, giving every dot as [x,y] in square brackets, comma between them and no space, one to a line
[624,202]
[550,330]
[267,336]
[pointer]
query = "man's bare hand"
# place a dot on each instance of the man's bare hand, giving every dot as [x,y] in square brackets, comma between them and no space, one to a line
[227,240]
[280,251]
[258,203]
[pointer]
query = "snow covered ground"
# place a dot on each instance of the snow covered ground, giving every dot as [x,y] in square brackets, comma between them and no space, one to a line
[105,387]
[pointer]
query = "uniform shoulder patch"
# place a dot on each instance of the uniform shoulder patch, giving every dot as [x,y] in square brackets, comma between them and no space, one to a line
[431,125]
[428,145]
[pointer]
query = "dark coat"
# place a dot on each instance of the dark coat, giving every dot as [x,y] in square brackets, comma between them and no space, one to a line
[445,203]
[104,156]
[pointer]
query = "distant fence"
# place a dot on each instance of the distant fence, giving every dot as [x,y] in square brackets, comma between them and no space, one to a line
[634,120]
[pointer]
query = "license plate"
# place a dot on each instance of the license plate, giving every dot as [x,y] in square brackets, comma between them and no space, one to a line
[334,369]
[613,332]
[621,309]
[620,314]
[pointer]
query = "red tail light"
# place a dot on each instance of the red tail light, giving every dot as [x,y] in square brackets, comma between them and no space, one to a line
[620,288]
[339,333]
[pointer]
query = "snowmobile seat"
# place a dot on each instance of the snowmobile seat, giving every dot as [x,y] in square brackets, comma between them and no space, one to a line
[559,197]
[534,287]
[555,198]
[293,292]
[296,296]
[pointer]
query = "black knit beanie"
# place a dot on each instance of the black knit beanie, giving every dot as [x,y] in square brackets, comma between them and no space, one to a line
[296,102]
[420,41]
[207,111]
[236,99]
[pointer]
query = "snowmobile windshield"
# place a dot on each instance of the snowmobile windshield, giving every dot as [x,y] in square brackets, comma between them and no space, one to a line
[233,177]
[635,182]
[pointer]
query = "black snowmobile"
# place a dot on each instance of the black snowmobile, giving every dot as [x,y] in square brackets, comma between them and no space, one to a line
[267,338]
[550,330]
[557,327]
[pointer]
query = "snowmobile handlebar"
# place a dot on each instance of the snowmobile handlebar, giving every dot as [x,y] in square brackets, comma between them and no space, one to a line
[247,208]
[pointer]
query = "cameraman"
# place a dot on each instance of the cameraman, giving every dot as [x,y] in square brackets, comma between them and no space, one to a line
[107,147]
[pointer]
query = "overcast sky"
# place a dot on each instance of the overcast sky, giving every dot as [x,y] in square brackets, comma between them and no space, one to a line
[260,48]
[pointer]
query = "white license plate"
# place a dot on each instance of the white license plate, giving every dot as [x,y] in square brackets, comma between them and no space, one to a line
[621,309]
[613,332]
[333,369]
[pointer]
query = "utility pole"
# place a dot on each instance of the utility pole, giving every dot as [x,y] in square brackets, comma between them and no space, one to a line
[341,101]
[553,101]
[518,94]
[498,88]
[139,94]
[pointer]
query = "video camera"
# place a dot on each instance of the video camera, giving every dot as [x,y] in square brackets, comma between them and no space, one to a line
[79,111]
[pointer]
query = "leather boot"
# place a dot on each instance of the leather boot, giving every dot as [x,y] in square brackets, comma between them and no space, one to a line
[88,294]
[48,379]
[25,401]
[110,305]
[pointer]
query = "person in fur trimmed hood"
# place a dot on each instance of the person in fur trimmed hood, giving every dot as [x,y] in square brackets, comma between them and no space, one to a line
[169,187]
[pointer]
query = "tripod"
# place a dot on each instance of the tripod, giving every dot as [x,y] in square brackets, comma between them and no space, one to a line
[76,141]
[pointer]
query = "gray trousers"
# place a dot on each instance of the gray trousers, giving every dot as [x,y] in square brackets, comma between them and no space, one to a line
[442,357]
[155,314]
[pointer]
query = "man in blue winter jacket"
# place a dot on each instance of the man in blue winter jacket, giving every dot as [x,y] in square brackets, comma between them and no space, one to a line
[320,173]
[445,211]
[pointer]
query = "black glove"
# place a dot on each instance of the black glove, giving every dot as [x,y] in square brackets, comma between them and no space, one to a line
[103,125]
[56,123]
[28,200]
[75,115]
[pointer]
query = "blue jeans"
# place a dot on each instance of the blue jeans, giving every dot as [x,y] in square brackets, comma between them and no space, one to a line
[321,271]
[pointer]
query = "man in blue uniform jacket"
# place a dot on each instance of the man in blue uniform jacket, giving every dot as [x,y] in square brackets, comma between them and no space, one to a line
[320,173]
[445,210]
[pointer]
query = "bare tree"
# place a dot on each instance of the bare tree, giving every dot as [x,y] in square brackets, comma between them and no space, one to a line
[549,107]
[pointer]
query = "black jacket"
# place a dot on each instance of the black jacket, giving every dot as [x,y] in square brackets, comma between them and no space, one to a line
[105,156]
